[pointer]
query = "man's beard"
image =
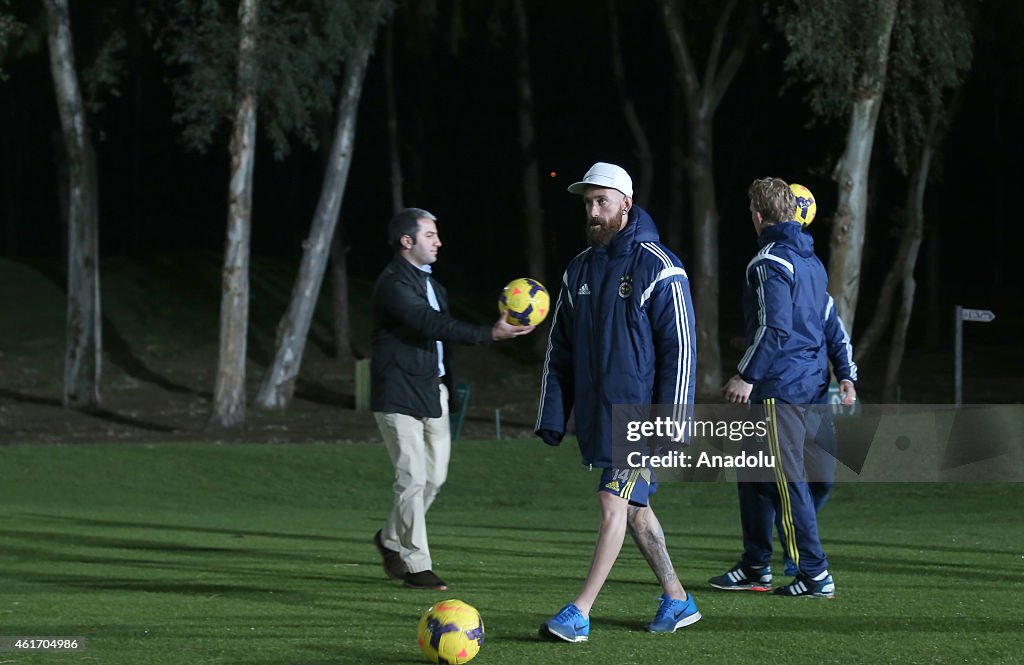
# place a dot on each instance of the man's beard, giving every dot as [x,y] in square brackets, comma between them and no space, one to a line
[601,236]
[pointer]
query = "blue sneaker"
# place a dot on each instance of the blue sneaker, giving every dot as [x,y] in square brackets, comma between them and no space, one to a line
[802,585]
[791,569]
[568,625]
[744,578]
[673,614]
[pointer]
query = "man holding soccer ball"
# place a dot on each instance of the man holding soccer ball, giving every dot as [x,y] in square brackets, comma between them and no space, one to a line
[622,333]
[411,380]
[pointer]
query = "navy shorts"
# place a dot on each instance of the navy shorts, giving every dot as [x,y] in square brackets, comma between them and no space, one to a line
[633,485]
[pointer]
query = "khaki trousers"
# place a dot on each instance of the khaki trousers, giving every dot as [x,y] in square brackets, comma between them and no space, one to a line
[420,449]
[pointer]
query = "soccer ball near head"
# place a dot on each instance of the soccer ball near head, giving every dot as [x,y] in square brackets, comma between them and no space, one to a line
[806,208]
[524,302]
[451,632]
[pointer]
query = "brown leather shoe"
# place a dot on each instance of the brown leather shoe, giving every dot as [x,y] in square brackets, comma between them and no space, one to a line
[394,567]
[425,579]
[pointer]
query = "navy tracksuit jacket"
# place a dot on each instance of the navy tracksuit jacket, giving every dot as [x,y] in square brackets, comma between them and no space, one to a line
[622,333]
[787,311]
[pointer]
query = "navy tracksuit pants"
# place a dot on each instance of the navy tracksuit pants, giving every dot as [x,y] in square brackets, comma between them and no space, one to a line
[787,493]
[820,455]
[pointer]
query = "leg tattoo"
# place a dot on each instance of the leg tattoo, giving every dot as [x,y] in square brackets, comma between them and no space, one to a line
[650,538]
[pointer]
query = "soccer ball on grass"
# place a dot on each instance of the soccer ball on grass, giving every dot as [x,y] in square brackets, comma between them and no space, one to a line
[451,632]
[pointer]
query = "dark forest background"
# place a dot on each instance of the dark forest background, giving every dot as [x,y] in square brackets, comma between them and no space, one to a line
[456,108]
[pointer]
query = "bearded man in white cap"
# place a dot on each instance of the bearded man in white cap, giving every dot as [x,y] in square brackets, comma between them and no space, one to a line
[622,333]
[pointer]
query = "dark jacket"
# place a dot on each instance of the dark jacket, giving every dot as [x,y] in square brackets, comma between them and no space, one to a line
[786,308]
[622,332]
[839,348]
[405,329]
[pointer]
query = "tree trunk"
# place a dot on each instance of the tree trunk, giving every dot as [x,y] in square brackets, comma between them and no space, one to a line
[642,188]
[846,247]
[393,142]
[884,303]
[996,217]
[63,192]
[83,357]
[902,323]
[278,383]
[12,144]
[702,99]
[229,389]
[677,174]
[528,144]
[140,211]
[883,308]
[933,283]
[912,240]
[339,301]
[705,251]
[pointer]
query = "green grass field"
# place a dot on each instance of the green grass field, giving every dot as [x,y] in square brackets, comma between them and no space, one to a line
[248,554]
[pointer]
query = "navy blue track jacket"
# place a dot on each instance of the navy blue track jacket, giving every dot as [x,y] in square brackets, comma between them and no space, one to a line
[622,333]
[792,329]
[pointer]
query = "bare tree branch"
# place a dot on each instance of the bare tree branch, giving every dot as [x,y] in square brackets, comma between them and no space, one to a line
[715,88]
[643,145]
[718,36]
[685,70]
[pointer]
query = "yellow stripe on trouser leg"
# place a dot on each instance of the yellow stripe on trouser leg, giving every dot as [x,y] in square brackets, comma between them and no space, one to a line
[786,505]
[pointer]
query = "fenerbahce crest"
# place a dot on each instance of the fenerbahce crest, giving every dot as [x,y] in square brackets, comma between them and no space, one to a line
[625,286]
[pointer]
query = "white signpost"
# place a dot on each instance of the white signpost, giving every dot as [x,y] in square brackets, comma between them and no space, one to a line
[964,314]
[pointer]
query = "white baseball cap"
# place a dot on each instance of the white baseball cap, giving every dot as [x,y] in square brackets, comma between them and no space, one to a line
[603,174]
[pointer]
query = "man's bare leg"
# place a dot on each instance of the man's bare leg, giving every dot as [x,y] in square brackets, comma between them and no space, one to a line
[650,538]
[609,544]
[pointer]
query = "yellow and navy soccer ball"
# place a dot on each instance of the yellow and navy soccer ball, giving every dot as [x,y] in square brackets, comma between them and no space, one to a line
[451,632]
[806,208]
[524,302]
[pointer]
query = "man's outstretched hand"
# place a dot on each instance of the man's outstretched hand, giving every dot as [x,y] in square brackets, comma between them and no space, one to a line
[505,330]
